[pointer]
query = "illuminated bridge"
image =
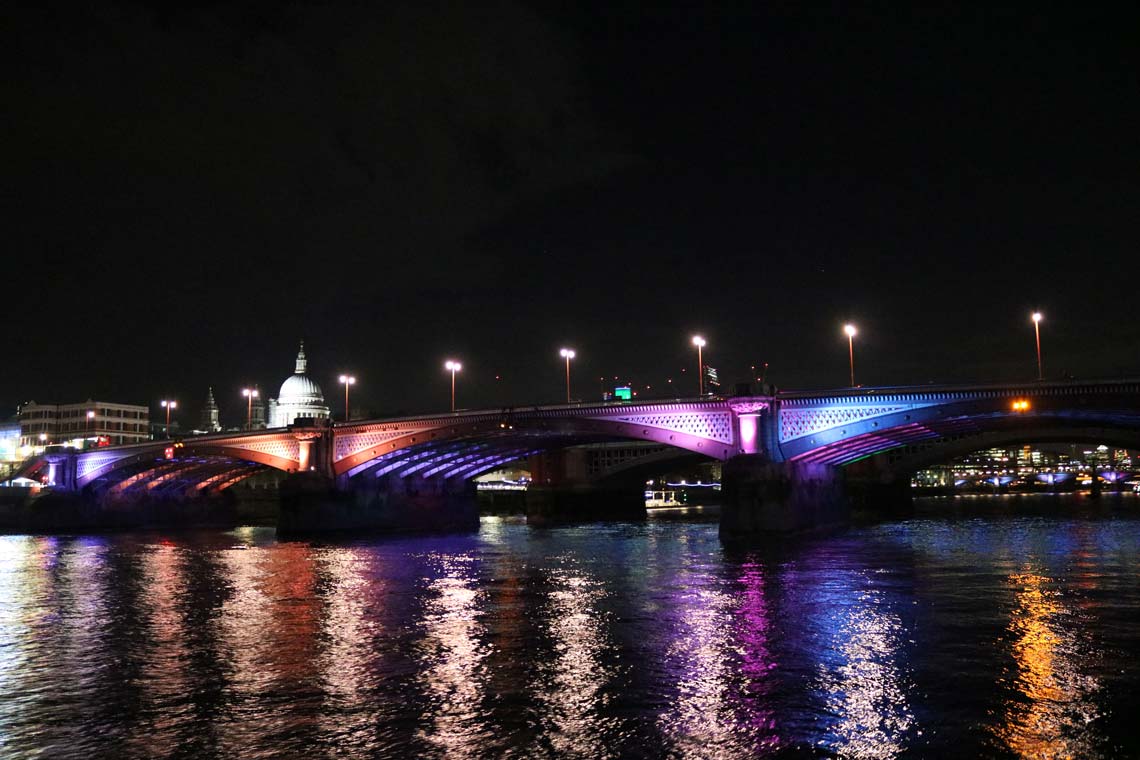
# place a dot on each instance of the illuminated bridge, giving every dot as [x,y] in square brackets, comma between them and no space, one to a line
[786,453]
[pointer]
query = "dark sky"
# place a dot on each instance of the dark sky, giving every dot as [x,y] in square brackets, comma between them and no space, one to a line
[191,190]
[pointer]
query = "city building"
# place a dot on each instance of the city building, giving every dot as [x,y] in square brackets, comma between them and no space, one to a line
[9,448]
[712,381]
[87,423]
[299,396]
[1028,464]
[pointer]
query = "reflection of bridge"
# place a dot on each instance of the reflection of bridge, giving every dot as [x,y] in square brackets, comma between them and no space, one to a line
[424,465]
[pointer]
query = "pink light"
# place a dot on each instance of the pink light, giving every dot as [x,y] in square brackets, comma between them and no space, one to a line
[749,433]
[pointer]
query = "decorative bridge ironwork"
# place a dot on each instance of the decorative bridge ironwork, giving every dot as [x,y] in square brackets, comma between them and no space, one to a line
[906,425]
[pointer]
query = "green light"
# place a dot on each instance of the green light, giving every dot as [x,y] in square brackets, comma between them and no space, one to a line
[623,392]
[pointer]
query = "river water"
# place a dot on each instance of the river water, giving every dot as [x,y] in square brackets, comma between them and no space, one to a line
[974,634]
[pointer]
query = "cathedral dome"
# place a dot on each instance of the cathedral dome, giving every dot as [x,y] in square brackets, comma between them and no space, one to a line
[299,397]
[299,389]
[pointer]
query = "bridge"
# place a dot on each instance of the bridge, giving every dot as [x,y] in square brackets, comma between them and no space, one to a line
[793,459]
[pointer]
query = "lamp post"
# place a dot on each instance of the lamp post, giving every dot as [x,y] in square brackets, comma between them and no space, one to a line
[90,416]
[699,342]
[250,394]
[167,404]
[1037,317]
[567,354]
[452,367]
[850,331]
[347,381]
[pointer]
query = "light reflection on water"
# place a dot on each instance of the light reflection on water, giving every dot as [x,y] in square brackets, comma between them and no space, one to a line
[1053,704]
[1006,637]
[700,721]
[452,655]
[862,683]
[569,686]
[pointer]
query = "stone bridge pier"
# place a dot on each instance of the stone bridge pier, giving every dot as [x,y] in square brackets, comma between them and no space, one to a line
[762,498]
[565,487]
[765,493]
[317,499]
[314,503]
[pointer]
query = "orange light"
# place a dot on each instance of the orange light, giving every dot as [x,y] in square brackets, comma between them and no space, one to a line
[1020,405]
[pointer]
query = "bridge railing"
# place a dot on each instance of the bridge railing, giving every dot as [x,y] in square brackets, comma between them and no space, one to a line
[1029,386]
[533,409]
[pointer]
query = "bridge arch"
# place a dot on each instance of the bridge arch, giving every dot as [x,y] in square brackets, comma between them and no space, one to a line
[208,462]
[477,445]
[920,423]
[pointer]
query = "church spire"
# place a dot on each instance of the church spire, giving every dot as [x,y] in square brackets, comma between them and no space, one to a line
[302,362]
[210,421]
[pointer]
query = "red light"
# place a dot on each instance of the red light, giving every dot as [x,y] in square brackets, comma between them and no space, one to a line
[169,451]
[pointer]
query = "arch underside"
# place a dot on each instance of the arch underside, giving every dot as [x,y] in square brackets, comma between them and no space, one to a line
[179,477]
[640,468]
[128,466]
[939,438]
[469,456]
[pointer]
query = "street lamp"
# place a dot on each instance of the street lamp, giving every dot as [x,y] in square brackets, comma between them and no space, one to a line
[167,404]
[699,342]
[90,416]
[567,354]
[850,331]
[1037,317]
[452,367]
[346,381]
[250,394]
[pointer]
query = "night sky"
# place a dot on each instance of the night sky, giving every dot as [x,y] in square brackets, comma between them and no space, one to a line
[191,190]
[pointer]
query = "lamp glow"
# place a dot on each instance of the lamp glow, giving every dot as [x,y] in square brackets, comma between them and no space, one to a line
[168,404]
[700,343]
[567,354]
[250,394]
[452,366]
[1037,317]
[850,331]
[346,381]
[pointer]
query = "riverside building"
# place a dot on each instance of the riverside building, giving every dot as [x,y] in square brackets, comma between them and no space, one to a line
[87,423]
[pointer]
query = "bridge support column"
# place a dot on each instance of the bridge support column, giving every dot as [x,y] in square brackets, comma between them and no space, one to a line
[877,492]
[583,502]
[61,470]
[764,498]
[560,492]
[312,503]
